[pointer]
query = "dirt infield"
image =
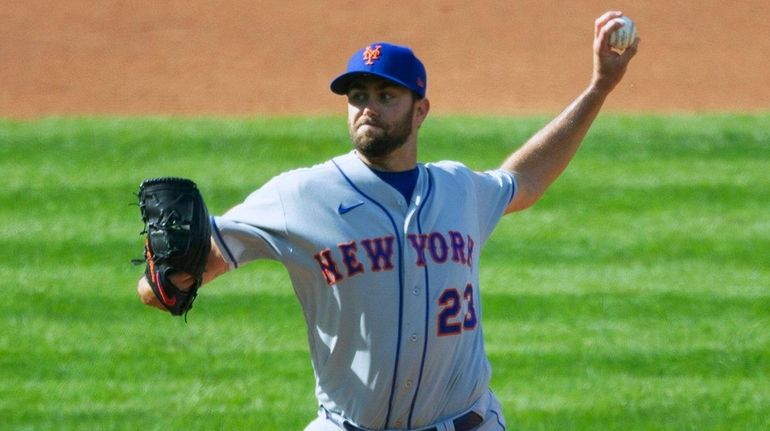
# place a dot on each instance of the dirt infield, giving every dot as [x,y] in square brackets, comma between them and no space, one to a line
[245,57]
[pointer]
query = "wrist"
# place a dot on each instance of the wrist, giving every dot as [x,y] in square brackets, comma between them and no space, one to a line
[598,90]
[182,280]
[144,291]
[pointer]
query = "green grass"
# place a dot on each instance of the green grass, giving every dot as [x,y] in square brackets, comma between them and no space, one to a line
[634,296]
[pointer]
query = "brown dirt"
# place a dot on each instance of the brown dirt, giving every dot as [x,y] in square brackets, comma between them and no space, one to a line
[245,57]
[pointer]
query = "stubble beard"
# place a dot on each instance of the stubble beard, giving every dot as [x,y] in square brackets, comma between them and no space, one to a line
[379,142]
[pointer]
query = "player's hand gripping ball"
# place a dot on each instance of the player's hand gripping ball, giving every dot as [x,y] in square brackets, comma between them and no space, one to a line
[623,37]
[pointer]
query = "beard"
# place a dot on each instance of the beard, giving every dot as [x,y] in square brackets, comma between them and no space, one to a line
[379,142]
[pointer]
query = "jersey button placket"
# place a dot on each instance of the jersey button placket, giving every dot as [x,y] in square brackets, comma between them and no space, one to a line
[412,331]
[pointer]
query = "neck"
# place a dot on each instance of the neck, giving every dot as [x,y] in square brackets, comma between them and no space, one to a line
[402,159]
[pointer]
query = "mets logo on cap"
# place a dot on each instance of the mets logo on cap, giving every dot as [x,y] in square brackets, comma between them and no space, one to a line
[372,54]
[395,63]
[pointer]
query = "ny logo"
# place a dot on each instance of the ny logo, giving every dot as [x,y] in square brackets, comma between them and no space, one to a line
[370,55]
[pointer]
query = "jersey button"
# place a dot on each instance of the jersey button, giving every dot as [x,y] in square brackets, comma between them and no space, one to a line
[416,291]
[408,384]
[414,337]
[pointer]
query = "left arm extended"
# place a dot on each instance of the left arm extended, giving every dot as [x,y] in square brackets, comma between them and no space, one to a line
[545,155]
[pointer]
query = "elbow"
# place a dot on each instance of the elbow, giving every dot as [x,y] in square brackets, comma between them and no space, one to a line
[526,196]
[520,203]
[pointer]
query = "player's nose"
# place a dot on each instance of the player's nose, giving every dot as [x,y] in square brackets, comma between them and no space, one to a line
[369,118]
[369,111]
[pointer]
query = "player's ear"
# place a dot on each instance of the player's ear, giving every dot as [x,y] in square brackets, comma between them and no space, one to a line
[421,109]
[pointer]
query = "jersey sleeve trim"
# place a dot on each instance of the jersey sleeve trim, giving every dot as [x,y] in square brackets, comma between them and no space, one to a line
[514,185]
[222,244]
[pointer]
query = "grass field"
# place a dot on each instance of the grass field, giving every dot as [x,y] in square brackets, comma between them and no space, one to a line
[634,296]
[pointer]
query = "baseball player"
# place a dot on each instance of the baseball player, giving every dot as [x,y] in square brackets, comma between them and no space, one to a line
[383,251]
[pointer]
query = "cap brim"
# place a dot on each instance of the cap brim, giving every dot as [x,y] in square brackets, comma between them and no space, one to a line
[341,84]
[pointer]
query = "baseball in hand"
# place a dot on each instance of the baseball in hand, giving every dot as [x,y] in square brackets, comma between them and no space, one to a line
[623,37]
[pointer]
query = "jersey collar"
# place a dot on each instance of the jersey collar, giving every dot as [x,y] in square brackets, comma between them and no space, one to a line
[368,183]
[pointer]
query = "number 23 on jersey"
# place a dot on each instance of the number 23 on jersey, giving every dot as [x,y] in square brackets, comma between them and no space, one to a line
[451,304]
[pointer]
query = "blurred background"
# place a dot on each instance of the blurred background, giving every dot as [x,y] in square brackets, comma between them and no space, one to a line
[245,58]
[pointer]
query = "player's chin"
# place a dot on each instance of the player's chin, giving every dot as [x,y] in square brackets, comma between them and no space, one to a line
[367,137]
[371,148]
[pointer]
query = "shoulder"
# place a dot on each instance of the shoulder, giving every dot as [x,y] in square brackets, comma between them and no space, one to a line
[447,165]
[301,177]
[451,177]
[321,170]
[306,183]
[447,169]
[290,182]
[302,173]
[456,175]
[459,170]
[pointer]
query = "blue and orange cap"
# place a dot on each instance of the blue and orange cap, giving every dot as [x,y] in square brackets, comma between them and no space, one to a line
[384,60]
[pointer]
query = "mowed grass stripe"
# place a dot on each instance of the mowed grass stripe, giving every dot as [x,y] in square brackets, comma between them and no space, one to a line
[634,296]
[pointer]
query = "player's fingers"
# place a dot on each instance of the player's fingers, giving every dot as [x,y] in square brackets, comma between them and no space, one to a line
[604,19]
[602,39]
[630,52]
[182,280]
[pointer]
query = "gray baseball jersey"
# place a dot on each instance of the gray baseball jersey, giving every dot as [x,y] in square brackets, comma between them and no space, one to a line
[389,288]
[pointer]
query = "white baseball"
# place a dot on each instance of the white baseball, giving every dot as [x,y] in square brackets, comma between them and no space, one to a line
[623,37]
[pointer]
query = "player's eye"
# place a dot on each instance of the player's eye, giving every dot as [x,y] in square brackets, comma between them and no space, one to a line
[387,96]
[357,97]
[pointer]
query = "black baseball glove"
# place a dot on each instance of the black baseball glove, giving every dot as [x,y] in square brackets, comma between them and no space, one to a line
[178,238]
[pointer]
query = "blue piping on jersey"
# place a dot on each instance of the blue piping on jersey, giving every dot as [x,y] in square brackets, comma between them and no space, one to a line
[400,287]
[514,186]
[497,416]
[427,305]
[222,241]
